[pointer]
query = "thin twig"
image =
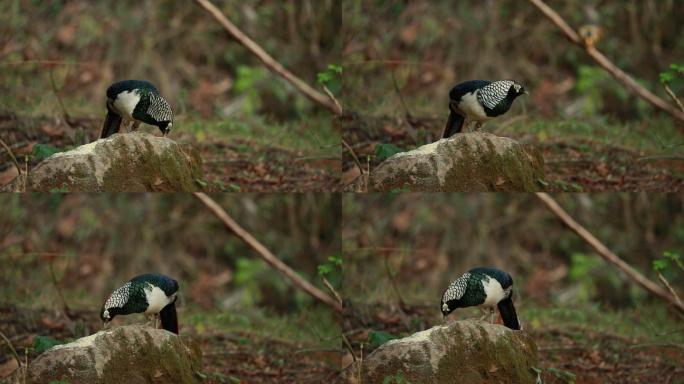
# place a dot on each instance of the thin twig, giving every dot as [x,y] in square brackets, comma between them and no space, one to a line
[673,97]
[409,116]
[332,97]
[332,290]
[67,117]
[608,65]
[11,155]
[607,254]
[268,60]
[353,155]
[348,345]
[265,254]
[669,287]
[14,351]
[65,307]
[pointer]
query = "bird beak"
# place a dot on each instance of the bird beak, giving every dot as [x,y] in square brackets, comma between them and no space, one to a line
[525,92]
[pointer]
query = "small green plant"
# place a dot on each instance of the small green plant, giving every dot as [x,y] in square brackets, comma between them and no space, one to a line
[676,71]
[378,338]
[331,270]
[43,151]
[43,343]
[331,78]
[383,151]
[668,259]
[395,379]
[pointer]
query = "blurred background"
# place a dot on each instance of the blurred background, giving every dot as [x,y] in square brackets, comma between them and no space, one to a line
[401,58]
[62,256]
[591,323]
[250,123]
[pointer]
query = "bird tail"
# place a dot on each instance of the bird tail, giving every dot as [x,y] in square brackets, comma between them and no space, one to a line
[508,314]
[454,125]
[169,319]
[111,124]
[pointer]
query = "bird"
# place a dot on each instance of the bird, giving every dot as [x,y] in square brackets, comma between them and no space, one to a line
[478,101]
[137,101]
[152,294]
[484,287]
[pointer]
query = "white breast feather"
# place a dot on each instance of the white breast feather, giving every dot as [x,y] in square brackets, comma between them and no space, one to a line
[156,299]
[471,107]
[494,291]
[125,103]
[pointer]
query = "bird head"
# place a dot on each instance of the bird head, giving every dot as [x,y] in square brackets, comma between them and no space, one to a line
[446,310]
[517,89]
[107,314]
[165,127]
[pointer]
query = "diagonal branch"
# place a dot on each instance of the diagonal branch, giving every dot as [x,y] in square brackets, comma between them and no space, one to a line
[607,254]
[603,61]
[266,255]
[269,61]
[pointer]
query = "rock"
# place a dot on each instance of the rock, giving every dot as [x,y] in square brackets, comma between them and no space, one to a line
[469,162]
[459,352]
[134,354]
[128,162]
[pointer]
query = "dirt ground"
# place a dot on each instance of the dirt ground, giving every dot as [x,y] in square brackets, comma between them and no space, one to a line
[228,357]
[230,165]
[570,165]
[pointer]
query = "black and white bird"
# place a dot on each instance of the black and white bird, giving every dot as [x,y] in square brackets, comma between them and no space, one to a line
[484,287]
[478,101]
[136,101]
[152,294]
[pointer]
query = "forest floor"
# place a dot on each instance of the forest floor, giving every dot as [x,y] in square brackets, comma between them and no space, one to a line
[582,345]
[236,348]
[237,156]
[579,155]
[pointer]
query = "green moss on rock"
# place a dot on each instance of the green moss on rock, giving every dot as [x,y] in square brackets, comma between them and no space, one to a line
[129,354]
[131,162]
[473,162]
[469,352]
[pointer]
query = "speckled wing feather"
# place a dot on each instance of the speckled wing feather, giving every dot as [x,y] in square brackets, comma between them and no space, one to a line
[457,288]
[491,95]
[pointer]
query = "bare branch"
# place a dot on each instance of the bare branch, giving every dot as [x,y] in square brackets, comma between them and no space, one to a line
[266,255]
[603,61]
[11,155]
[607,254]
[269,61]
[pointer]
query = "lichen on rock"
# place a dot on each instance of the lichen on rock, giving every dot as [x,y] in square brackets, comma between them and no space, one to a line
[459,352]
[128,354]
[129,162]
[469,162]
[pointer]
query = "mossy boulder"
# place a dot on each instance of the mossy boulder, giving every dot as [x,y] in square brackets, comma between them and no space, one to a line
[459,352]
[125,162]
[468,162]
[133,354]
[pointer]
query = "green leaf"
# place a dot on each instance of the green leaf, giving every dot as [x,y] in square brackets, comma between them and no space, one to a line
[383,151]
[666,77]
[43,343]
[378,338]
[43,151]
[660,264]
[201,182]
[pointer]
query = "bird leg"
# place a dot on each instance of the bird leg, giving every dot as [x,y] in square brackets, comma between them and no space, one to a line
[491,313]
[135,126]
